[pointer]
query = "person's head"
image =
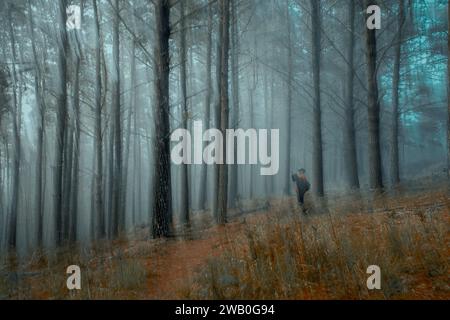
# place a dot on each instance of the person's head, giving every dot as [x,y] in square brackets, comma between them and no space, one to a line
[301,172]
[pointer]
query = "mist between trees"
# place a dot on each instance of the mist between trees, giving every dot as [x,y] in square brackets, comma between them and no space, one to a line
[86,113]
[234,145]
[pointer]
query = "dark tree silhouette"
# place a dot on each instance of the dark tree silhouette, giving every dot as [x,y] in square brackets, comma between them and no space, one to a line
[162,209]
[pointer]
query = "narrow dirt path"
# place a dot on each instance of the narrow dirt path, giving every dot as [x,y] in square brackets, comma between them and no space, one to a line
[179,260]
[177,265]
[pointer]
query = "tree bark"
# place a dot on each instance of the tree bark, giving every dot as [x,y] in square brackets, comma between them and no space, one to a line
[252,87]
[73,203]
[98,135]
[375,175]
[118,216]
[61,121]
[67,178]
[217,112]
[184,172]
[3,155]
[17,142]
[40,132]
[222,195]
[448,91]
[395,171]
[234,188]
[162,209]
[351,162]
[317,158]
[73,217]
[287,173]
[131,111]
[137,167]
[204,173]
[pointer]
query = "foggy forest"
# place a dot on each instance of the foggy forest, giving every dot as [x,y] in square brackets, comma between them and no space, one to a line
[86,177]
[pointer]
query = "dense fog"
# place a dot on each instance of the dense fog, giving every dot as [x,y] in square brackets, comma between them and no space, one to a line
[86,110]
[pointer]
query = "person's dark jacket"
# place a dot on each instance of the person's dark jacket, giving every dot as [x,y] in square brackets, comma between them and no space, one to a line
[302,183]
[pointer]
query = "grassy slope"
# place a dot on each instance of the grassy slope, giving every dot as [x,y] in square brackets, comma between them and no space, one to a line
[279,254]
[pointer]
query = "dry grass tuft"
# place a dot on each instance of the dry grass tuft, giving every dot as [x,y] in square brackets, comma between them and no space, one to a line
[105,274]
[279,254]
[325,256]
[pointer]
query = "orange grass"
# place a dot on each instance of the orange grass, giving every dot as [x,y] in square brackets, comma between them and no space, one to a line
[278,254]
[325,256]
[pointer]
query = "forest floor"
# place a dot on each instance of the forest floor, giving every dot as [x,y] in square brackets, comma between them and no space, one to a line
[273,254]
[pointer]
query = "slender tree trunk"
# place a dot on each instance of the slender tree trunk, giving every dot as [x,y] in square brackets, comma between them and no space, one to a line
[61,120]
[76,155]
[131,110]
[6,191]
[395,172]
[222,201]
[2,182]
[251,96]
[375,176]
[110,181]
[272,119]
[351,162]
[137,170]
[233,189]
[118,216]
[17,142]
[136,136]
[126,157]
[217,114]
[40,132]
[287,173]
[73,203]
[7,178]
[448,92]
[3,106]
[317,112]
[192,88]
[93,222]
[204,172]
[67,178]
[184,172]
[98,135]
[134,181]
[162,209]
[267,118]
